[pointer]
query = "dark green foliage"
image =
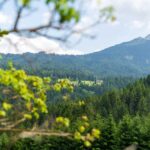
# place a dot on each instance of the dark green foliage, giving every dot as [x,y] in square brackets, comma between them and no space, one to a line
[51,143]
[4,141]
[129,133]
[109,139]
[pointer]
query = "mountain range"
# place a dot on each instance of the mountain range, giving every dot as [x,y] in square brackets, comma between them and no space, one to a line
[130,58]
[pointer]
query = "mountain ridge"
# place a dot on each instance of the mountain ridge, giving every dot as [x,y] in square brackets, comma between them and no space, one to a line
[130,58]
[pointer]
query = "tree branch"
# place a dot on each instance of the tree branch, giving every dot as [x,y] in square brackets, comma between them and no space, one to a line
[16,123]
[30,133]
[18,18]
[50,37]
[34,29]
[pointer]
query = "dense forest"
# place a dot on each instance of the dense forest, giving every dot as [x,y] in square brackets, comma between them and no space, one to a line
[120,113]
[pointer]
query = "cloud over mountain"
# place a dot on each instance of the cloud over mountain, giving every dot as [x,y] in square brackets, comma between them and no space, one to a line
[17,45]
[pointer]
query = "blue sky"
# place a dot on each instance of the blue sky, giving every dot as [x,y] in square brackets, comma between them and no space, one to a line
[133,20]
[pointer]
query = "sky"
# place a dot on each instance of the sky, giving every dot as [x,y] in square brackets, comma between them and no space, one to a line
[133,20]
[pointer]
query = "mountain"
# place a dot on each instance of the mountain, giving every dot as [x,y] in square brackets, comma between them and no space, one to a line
[126,59]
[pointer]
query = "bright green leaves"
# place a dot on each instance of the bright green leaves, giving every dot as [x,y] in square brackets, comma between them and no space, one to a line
[2,113]
[65,11]
[85,118]
[28,116]
[23,91]
[95,133]
[25,2]
[6,106]
[77,136]
[81,129]
[87,144]
[67,14]
[41,105]
[108,13]
[36,115]
[47,79]
[3,33]
[63,84]
[57,87]
[85,134]
[81,103]
[63,121]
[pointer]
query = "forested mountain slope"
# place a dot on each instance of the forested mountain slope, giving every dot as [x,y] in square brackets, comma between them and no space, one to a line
[126,59]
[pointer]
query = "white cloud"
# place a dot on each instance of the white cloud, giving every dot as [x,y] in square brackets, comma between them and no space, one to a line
[4,19]
[18,45]
[132,12]
[46,17]
[137,24]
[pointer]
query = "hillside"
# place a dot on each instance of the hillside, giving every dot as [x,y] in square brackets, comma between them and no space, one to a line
[126,59]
